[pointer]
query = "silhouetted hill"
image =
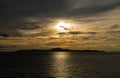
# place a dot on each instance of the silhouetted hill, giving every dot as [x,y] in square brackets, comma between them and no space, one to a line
[62,50]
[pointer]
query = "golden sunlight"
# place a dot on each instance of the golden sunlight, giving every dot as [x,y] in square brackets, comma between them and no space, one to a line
[62,26]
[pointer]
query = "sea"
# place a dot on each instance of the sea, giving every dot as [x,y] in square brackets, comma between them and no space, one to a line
[59,65]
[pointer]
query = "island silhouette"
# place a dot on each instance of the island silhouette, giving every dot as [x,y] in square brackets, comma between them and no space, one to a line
[61,50]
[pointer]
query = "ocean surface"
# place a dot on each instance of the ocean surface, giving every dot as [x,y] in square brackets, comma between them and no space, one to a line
[59,65]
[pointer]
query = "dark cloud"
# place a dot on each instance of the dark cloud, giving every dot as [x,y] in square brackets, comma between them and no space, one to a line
[91,32]
[79,32]
[90,38]
[4,35]
[113,32]
[5,6]
[75,32]
[44,33]
[106,27]
[54,8]
[29,27]
[93,7]
[114,26]
[10,34]
[2,47]
[62,33]
[28,8]
[85,38]
[53,38]
[5,47]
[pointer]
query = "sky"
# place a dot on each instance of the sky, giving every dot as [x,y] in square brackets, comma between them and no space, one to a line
[71,24]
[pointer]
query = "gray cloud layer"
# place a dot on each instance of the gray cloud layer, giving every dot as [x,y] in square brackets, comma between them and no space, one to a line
[56,8]
[91,7]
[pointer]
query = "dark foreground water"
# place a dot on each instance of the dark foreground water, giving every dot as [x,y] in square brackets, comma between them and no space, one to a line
[59,65]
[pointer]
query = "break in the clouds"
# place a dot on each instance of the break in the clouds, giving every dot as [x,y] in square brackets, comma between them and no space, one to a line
[90,24]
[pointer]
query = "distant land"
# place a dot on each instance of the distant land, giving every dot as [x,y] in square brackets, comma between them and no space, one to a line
[39,51]
[59,50]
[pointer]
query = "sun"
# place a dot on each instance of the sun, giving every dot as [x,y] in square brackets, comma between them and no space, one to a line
[62,26]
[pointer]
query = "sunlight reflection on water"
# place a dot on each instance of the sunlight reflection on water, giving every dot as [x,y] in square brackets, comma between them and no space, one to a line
[60,55]
[59,64]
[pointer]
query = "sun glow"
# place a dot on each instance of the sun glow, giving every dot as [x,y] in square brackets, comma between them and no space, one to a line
[62,26]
